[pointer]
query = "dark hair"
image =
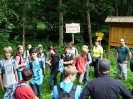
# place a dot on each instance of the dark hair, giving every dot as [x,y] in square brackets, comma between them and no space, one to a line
[66,47]
[27,74]
[72,43]
[52,48]
[32,50]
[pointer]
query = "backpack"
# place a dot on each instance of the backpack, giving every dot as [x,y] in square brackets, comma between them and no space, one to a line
[40,63]
[60,66]
[70,95]
[11,90]
[2,65]
[131,63]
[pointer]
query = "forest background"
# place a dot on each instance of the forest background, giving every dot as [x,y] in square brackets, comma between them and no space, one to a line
[43,22]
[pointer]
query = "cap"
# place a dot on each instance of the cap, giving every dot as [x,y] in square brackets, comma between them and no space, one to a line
[104,65]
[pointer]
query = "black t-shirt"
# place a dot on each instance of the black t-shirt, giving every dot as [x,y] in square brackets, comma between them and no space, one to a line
[66,58]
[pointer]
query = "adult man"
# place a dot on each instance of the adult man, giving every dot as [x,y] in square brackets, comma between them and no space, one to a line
[26,53]
[121,54]
[105,87]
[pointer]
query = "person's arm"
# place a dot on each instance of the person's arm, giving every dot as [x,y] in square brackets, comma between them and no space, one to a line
[124,92]
[17,59]
[36,97]
[101,53]
[1,82]
[16,75]
[89,57]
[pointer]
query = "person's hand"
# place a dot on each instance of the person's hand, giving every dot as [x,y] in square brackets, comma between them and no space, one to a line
[125,62]
[2,87]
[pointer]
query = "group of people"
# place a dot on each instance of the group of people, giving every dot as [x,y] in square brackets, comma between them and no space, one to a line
[30,66]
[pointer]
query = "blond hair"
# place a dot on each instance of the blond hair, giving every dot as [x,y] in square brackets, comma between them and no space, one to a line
[8,49]
[84,50]
[19,46]
[85,46]
[69,70]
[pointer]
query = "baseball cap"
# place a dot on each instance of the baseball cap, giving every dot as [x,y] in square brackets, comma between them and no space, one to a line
[104,65]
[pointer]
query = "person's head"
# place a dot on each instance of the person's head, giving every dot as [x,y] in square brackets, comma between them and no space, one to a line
[67,49]
[20,49]
[51,50]
[71,44]
[84,51]
[27,74]
[29,46]
[122,42]
[70,72]
[97,42]
[7,51]
[104,66]
[85,46]
[33,53]
[40,49]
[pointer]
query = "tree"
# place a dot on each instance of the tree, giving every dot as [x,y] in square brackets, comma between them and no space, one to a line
[89,23]
[60,23]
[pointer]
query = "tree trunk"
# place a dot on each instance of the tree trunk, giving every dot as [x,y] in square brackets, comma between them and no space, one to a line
[128,7]
[121,14]
[23,23]
[60,24]
[89,24]
[116,8]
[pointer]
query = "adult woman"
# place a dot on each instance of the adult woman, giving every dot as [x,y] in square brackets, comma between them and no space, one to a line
[53,66]
[97,55]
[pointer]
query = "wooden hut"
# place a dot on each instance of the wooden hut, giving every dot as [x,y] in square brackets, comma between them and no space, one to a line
[120,27]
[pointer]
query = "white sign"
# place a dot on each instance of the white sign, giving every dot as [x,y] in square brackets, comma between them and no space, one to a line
[73,28]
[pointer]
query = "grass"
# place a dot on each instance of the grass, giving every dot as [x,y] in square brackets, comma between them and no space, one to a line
[113,72]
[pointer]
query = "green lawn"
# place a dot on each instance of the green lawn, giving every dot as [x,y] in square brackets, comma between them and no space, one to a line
[113,73]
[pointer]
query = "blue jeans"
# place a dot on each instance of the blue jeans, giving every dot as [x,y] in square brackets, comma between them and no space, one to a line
[37,89]
[86,75]
[52,77]
[19,74]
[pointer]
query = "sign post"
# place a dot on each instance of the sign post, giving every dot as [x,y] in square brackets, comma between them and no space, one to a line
[73,28]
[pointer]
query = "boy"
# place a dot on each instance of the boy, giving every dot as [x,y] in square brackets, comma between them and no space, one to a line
[34,64]
[8,72]
[80,62]
[89,60]
[26,53]
[67,59]
[67,84]
[25,92]
[40,53]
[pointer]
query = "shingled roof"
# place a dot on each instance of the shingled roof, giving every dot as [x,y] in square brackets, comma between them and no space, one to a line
[120,19]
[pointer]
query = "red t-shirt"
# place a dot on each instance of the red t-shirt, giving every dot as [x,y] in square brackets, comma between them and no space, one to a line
[24,92]
[81,63]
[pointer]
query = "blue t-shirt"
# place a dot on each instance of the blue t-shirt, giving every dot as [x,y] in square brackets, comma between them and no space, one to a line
[67,86]
[37,72]
[122,53]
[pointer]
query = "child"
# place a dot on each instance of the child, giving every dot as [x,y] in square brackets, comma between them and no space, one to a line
[25,92]
[89,60]
[67,59]
[34,64]
[73,49]
[80,62]
[53,66]
[67,84]
[40,53]
[20,62]
[8,72]
[26,53]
